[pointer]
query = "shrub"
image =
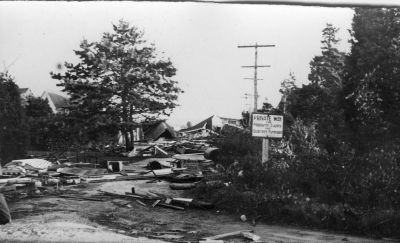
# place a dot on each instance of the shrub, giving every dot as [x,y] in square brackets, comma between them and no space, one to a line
[304,184]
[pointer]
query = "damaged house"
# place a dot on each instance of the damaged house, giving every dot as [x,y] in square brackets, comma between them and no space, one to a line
[212,125]
[150,132]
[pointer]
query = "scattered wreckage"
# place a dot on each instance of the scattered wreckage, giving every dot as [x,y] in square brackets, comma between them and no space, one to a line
[166,161]
[180,164]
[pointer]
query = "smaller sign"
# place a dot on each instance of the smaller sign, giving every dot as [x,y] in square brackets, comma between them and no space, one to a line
[266,126]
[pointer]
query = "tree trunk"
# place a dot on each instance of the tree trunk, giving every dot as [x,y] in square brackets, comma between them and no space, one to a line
[131,120]
[125,119]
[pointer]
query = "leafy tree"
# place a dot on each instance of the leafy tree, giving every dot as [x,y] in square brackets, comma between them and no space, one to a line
[37,107]
[372,86]
[118,83]
[287,87]
[13,126]
[245,121]
[39,115]
[266,107]
[319,101]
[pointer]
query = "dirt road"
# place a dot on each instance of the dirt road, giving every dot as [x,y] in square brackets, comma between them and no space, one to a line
[56,219]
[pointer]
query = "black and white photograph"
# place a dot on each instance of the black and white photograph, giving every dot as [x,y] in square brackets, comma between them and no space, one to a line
[226,121]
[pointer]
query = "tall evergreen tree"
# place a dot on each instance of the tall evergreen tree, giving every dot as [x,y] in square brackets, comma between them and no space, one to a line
[118,82]
[319,101]
[326,69]
[372,84]
[13,126]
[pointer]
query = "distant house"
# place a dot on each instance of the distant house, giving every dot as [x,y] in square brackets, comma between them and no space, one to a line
[209,126]
[24,93]
[57,102]
[231,121]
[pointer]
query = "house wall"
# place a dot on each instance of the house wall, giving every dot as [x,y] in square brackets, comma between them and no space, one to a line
[231,121]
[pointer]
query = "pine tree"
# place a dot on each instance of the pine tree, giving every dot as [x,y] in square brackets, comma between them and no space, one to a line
[326,69]
[119,83]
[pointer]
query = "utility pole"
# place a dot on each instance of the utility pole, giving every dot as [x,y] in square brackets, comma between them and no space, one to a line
[265,144]
[256,66]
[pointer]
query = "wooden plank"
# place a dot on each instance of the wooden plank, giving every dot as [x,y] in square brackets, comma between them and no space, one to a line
[251,236]
[161,150]
[170,206]
[231,234]
[141,203]
[155,203]
[265,148]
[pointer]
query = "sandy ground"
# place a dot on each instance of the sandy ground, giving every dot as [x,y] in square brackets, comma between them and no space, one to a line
[61,227]
[55,219]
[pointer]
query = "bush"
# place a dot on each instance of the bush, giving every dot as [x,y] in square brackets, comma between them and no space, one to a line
[304,184]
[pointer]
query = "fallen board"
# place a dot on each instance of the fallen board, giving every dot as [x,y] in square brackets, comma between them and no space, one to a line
[182,186]
[231,234]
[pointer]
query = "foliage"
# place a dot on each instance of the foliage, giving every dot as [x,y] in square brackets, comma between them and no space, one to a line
[245,121]
[319,102]
[37,107]
[326,69]
[338,164]
[13,125]
[38,114]
[118,83]
[288,85]
[372,86]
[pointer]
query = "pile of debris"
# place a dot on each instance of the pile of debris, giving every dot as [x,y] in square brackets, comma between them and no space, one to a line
[180,163]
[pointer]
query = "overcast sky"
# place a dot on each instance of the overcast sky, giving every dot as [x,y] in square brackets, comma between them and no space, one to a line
[200,38]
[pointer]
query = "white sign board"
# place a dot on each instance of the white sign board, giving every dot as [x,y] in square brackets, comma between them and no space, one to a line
[266,126]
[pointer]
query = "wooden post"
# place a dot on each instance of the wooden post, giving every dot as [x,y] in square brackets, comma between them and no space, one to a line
[265,147]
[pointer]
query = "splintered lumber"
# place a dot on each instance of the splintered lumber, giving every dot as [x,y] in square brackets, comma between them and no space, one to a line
[124,178]
[152,195]
[193,203]
[231,234]
[251,236]
[161,150]
[142,196]
[122,195]
[182,186]
[155,203]
[19,181]
[211,241]
[141,203]
[81,198]
[169,206]
[186,200]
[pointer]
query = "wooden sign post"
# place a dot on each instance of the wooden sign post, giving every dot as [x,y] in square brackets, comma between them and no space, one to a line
[266,126]
[265,147]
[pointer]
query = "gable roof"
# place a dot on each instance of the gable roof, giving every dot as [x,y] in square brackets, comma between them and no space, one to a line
[207,123]
[23,90]
[58,100]
[157,130]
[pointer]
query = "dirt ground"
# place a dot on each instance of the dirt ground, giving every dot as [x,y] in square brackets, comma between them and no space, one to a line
[56,219]
[52,218]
